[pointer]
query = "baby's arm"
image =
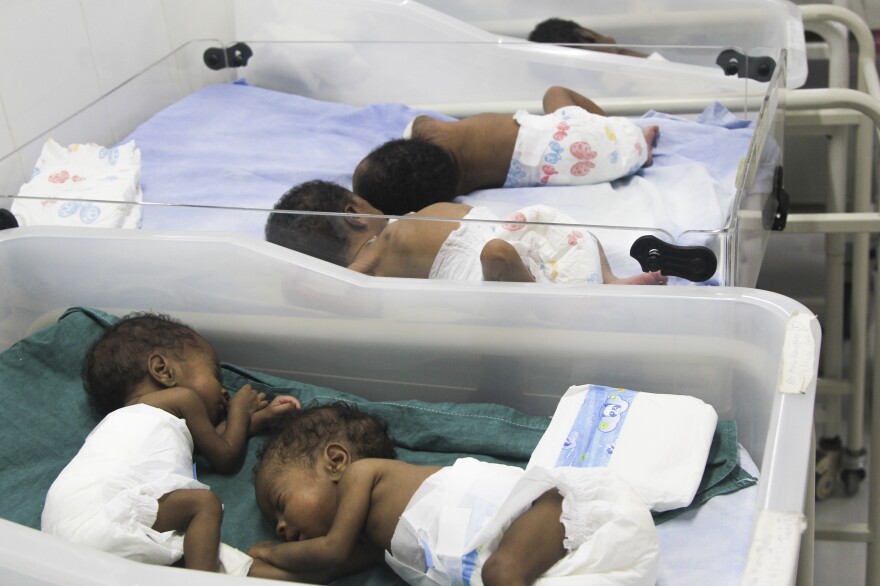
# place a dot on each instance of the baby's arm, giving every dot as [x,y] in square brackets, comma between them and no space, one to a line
[361,559]
[558,97]
[337,547]
[223,446]
[501,262]
[264,418]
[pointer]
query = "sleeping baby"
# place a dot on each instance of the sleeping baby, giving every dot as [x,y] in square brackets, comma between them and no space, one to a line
[131,490]
[338,511]
[573,143]
[536,244]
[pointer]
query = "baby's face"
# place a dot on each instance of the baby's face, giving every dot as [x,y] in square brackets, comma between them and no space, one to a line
[300,500]
[200,371]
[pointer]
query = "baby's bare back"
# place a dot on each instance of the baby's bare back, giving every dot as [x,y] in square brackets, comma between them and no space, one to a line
[396,483]
[408,247]
[482,145]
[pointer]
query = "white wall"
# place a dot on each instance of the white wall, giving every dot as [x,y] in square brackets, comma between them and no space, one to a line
[61,55]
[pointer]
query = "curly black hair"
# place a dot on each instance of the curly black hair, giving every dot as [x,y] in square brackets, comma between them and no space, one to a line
[557,30]
[302,435]
[117,361]
[405,175]
[320,236]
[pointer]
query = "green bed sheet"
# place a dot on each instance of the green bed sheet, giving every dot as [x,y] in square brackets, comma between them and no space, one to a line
[46,417]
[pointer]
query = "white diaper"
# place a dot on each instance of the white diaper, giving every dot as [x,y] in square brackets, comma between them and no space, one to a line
[574,147]
[80,173]
[107,496]
[457,518]
[459,257]
[552,251]
[657,443]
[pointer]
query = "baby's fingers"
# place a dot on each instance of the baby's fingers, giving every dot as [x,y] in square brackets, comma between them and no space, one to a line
[287,400]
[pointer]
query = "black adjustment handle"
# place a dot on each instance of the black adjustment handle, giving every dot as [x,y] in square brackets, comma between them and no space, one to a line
[7,220]
[694,263]
[236,55]
[775,213]
[735,63]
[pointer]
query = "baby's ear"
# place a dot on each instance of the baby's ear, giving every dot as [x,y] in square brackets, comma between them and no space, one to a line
[355,222]
[336,459]
[161,370]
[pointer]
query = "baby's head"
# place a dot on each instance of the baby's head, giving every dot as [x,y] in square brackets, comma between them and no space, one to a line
[326,237]
[559,30]
[298,466]
[406,175]
[120,360]
[301,437]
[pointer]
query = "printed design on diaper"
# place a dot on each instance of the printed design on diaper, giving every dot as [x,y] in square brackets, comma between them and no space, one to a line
[515,174]
[461,570]
[555,152]
[600,419]
[111,154]
[88,212]
[62,177]
[610,134]
[513,222]
[548,172]
[583,151]
[574,237]
[638,162]
[469,565]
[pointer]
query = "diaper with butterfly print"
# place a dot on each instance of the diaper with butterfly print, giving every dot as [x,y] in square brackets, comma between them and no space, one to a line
[82,185]
[574,147]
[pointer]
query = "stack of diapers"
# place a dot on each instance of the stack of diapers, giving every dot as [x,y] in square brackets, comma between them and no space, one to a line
[553,251]
[656,443]
[93,177]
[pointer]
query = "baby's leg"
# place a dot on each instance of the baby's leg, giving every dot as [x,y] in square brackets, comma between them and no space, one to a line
[501,262]
[198,513]
[609,278]
[651,134]
[654,278]
[530,546]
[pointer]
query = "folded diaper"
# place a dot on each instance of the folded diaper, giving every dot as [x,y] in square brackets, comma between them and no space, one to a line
[657,443]
[92,177]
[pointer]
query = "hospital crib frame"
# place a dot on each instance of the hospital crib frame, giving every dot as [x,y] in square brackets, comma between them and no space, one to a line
[838,108]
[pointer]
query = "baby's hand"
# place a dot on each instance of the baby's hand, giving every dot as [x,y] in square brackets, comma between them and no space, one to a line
[263,419]
[263,569]
[247,400]
[261,549]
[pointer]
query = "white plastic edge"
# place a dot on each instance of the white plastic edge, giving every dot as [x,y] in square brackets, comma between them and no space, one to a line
[798,355]
[773,555]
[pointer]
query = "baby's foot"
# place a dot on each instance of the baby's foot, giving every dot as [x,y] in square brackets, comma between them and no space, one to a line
[654,278]
[651,134]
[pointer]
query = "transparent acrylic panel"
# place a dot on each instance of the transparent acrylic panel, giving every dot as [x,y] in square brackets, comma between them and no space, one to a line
[273,309]
[762,202]
[499,76]
[216,156]
[109,119]
[751,24]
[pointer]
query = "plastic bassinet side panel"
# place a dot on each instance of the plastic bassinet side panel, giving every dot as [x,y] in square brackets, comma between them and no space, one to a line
[750,24]
[274,310]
